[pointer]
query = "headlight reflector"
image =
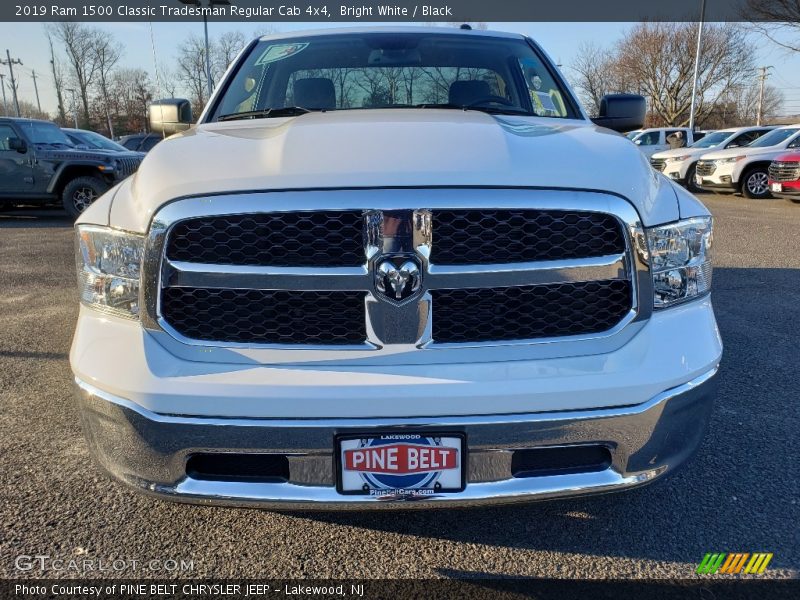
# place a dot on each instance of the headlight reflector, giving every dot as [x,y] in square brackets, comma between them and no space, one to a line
[680,260]
[108,263]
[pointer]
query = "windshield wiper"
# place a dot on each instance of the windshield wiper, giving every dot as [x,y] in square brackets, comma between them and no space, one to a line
[266,113]
[493,110]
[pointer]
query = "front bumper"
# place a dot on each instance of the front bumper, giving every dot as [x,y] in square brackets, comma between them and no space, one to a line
[149,451]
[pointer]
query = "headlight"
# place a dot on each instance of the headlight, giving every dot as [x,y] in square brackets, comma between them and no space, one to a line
[679,158]
[108,264]
[727,161]
[680,260]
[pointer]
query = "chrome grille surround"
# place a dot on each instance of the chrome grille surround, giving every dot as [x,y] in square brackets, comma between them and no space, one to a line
[784,171]
[658,163]
[396,331]
[705,168]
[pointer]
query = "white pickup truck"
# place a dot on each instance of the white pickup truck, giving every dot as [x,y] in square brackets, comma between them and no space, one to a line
[379,273]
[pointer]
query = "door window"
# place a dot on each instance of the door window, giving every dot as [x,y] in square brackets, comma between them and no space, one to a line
[6,133]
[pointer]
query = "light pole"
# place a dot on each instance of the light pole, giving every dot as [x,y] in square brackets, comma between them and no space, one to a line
[211,4]
[763,78]
[697,62]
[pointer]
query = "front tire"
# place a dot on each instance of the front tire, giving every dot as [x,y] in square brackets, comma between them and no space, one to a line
[691,181]
[79,194]
[755,184]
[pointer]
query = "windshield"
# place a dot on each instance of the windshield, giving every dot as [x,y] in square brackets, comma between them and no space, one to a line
[392,70]
[45,133]
[774,137]
[97,141]
[712,139]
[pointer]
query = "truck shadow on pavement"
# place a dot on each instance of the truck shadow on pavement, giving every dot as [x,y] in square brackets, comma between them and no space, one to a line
[736,494]
[28,217]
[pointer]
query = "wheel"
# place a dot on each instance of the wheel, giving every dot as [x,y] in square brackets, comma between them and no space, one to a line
[691,182]
[755,184]
[80,193]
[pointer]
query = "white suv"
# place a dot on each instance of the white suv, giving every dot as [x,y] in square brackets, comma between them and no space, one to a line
[679,164]
[379,271]
[746,169]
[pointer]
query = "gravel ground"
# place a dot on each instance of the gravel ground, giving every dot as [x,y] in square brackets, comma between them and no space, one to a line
[740,493]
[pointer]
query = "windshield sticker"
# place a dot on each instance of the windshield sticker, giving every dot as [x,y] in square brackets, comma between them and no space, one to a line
[279,52]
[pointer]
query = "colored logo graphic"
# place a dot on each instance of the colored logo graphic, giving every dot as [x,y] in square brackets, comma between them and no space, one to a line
[734,563]
[388,464]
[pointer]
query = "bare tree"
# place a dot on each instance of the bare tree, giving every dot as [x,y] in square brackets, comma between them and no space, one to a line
[78,40]
[58,79]
[106,55]
[131,91]
[772,16]
[657,59]
[594,75]
[226,48]
[192,70]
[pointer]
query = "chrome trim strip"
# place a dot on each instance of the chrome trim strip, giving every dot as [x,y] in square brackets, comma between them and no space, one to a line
[185,274]
[527,273]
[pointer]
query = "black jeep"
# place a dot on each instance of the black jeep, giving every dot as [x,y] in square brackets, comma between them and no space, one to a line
[39,163]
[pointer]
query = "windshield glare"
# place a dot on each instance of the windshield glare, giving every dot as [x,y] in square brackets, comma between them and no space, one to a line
[97,141]
[45,133]
[712,139]
[394,70]
[774,137]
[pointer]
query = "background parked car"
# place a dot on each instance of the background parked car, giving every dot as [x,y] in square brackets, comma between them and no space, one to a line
[140,142]
[679,164]
[745,169]
[784,176]
[654,140]
[83,138]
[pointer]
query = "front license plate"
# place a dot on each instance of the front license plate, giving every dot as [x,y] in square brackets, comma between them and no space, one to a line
[400,464]
[777,187]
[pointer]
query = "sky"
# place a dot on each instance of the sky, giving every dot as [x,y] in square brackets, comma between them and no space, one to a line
[27,42]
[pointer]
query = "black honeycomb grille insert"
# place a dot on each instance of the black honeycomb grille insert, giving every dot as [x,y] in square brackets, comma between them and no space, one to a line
[266,317]
[529,312]
[291,239]
[463,237]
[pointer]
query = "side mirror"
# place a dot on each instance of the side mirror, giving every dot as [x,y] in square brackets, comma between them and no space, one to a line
[732,145]
[18,144]
[638,142]
[170,116]
[621,112]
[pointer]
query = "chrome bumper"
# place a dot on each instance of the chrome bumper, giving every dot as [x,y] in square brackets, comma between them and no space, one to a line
[149,451]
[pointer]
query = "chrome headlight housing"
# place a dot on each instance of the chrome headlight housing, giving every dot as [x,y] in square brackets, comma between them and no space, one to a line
[109,267]
[727,161]
[680,260]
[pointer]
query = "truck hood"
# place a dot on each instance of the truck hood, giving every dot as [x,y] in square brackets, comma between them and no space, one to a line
[392,148]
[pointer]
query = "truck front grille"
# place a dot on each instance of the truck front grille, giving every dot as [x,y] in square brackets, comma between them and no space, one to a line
[310,278]
[784,171]
[705,168]
[658,163]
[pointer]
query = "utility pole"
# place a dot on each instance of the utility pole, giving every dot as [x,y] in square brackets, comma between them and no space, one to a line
[763,78]
[697,63]
[57,83]
[3,85]
[36,88]
[11,64]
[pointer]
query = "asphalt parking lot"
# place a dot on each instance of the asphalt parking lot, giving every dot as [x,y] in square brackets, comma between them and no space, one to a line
[739,494]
